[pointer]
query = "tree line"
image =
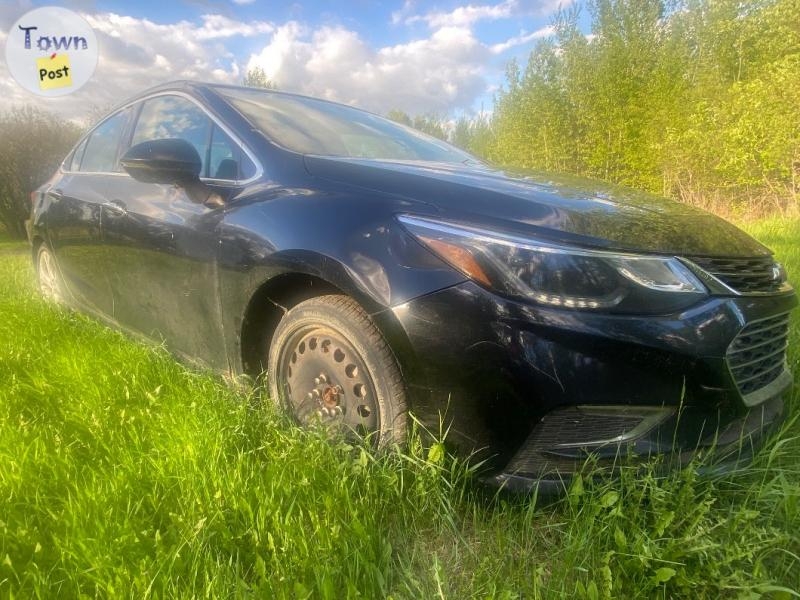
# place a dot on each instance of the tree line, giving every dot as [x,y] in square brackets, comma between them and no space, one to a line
[694,99]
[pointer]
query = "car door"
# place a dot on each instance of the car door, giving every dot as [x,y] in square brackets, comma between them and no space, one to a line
[164,243]
[75,213]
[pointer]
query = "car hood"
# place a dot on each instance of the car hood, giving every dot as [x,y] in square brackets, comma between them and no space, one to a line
[554,207]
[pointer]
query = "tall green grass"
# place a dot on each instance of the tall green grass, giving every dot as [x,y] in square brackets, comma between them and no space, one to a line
[125,474]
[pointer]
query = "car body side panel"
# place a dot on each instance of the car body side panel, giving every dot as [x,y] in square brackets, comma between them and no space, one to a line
[162,251]
[73,230]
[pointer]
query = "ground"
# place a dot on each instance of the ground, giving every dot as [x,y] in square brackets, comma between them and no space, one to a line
[126,474]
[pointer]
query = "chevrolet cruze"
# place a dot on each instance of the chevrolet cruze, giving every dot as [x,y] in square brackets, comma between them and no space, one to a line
[369,271]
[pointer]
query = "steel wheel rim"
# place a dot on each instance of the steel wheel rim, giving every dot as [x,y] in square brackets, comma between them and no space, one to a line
[48,278]
[324,380]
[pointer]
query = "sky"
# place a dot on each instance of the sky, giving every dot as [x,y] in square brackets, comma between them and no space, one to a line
[440,58]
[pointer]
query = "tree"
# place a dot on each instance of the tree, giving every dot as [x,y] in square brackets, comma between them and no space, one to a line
[689,98]
[473,134]
[32,144]
[430,124]
[398,116]
[257,78]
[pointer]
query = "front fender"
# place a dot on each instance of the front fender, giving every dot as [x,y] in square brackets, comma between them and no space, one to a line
[352,243]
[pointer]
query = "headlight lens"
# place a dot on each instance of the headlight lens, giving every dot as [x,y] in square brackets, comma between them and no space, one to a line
[557,275]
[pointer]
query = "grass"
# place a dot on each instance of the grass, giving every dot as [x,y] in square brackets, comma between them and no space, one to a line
[125,474]
[9,245]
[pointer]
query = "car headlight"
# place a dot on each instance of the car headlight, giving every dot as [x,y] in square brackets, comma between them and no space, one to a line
[561,276]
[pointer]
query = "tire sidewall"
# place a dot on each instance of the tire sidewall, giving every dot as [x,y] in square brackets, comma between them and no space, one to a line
[59,298]
[392,414]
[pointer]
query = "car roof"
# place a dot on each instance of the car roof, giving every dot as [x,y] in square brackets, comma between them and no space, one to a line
[184,85]
[199,87]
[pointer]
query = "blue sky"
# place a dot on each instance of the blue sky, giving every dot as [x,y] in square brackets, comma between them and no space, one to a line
[443,58]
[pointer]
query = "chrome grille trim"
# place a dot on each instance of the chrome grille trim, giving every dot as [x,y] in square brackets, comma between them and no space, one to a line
[757,355]
[753,275]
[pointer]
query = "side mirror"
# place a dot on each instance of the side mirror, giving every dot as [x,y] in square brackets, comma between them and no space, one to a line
[171,161]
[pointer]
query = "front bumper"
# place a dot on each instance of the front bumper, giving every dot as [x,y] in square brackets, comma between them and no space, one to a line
[500,374]
[720,452]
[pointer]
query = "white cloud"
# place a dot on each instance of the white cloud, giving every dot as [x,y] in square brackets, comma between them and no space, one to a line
[407,10]
[217,26]
[138,53]
[521,39]
[467,15]
[282,49]
[213,27]
[443,71]
[435,74]
[243,2]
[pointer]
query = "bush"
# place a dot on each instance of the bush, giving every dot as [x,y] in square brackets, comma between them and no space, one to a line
[33,144]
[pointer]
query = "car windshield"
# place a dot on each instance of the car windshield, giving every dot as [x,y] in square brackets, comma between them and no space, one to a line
[311,126]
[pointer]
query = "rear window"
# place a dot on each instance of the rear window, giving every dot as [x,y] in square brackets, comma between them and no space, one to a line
[77,156]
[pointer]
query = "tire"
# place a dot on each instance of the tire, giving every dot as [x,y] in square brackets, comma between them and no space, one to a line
[48,276]
[329,364]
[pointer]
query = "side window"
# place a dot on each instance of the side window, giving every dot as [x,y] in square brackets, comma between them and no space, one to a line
[174,117]
[226,160]
[223,159]
[247,168]
[100,152]
[75,162]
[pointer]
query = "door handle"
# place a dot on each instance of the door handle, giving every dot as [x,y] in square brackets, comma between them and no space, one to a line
[116,206]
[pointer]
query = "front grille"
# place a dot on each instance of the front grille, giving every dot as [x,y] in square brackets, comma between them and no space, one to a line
[756,356]
[745,275]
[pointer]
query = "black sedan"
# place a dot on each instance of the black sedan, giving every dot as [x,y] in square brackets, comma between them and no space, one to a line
[369,270]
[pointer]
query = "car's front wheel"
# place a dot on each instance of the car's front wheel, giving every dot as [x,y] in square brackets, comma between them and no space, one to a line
[328,363]
[49,279]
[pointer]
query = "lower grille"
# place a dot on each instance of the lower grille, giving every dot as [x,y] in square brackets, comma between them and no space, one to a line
[757,356]
[745,275]
[566,435]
